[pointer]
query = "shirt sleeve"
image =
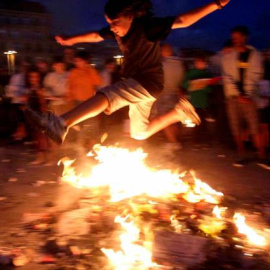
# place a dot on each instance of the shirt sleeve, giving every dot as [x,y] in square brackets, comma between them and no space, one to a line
[158,29]
[106,33]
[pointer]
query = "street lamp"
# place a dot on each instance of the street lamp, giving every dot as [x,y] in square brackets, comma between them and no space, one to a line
[119,59]
[11,61]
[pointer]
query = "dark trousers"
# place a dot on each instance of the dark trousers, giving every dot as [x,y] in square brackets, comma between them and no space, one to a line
[201,133]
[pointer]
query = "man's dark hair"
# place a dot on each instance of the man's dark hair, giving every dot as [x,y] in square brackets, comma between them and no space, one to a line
[84,55]
[202,56]
[32,69]
[58,59]
[135,8]
[241,29]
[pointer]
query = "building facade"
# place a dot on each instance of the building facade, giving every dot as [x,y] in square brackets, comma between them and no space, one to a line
[25,27]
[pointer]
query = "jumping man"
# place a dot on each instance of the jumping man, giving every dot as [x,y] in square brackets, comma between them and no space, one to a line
[138,33]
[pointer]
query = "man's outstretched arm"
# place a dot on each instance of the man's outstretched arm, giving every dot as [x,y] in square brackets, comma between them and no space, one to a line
[84,38]
[189,18]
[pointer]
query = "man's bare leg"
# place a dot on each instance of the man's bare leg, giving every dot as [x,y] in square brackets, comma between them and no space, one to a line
[87,109]
[158,123]
[57,127]
[172,133]
[183,111]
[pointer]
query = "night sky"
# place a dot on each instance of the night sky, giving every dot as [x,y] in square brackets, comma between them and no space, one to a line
[77,16]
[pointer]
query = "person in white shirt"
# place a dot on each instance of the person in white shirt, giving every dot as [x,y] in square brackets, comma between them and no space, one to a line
[107,74]
[242,71]
[56,86]
[16,91]
[173,76]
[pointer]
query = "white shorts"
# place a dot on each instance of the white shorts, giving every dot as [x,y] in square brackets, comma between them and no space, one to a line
[130,93]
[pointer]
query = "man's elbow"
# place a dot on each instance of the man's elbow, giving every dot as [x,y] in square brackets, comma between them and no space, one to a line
[97,38]
[181,22]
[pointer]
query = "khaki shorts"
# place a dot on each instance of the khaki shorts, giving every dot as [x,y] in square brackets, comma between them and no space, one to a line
[241,114]
[130,93]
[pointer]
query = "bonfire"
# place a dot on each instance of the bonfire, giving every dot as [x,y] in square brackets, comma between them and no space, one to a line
[165,219]
[115,212]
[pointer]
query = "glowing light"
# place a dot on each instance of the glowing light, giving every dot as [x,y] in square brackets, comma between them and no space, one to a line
[10,52]
[118,56]
[253,237]
[132,254]
[126,175]
[189,123]
[218,212]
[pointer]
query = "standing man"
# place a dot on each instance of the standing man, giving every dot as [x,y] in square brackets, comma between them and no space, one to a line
[198,85]
[138,34]
[83,82]
[55,84]
[173,77]
[242,71]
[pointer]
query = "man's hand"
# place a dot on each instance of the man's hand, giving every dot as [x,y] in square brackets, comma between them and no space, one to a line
[63,42]
[224,2]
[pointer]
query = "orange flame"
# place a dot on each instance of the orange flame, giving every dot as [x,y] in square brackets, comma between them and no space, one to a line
[132,254]
[253,237]
[126,175]
[218,212]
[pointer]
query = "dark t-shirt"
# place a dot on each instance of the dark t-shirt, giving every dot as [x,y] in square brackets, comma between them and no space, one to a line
[141,50]
[243,65]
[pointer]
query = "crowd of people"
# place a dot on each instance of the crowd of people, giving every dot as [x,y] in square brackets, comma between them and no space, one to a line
[229,90]
[58,86]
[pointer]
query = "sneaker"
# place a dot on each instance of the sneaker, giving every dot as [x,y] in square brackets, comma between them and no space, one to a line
[264,163]
[241,163]
[187,112]
[47,122]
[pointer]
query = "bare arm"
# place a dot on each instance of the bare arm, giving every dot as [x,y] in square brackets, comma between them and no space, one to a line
[191,17]
[89,37]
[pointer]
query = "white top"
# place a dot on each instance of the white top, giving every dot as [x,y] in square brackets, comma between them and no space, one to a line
[56,83]
[252,74]
[173,74]
[16,88]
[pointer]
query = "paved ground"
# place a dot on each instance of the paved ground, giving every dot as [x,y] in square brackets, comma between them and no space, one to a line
[19,193]
[213,165]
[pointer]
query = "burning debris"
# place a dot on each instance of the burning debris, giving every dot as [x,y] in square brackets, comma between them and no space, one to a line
[125,215]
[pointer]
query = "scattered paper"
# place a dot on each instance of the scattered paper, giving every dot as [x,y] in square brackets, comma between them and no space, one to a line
[179,248]
[12,179]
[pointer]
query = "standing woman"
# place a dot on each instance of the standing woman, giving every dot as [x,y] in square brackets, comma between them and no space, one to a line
[35,99]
